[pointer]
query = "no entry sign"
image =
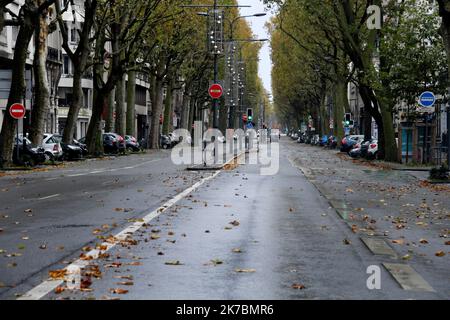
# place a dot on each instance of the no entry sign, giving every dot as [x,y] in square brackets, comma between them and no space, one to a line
[17,111]
[215,91]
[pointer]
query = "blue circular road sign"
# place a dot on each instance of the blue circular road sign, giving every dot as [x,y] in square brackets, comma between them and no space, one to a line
[427,99]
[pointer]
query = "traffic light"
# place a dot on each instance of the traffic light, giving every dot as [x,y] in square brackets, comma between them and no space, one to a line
[250,118]
[348,119]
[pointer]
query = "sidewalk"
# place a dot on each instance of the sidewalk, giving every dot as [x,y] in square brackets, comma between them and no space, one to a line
[411,216]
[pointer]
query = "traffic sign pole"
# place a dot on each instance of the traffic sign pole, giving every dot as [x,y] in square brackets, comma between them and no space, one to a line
[17,111]
[17,141]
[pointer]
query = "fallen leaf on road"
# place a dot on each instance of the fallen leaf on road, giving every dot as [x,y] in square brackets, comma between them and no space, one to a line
[423,241]
[440,254]
[85,283]
[119,209]
[28,210]
[134,263]
[125,283]
[1,229]
[21,246]
[400,241]
[216,262]
[245,270]
[354,228]
[59,289]
[291,209]
[406,257]
[447,243]
[43,246]
[154,236]
[113,265]
[237,250]
[347,242]
[110,298]
[173,263]
[298,286]
[228,228]
[235,223]
[130,277]
[118,291]
[57,274]
[86,257]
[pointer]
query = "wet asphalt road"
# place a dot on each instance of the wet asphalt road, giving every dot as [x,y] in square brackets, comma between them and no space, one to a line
[240,235]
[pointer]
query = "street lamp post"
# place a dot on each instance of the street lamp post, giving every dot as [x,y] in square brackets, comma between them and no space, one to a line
[232,23]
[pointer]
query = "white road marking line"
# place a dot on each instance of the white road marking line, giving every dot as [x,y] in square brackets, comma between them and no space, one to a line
[96,171]
[49,197]
[51,179]
[47,286]
[77,175]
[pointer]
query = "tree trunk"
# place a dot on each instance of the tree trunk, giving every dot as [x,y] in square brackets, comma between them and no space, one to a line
[109,116]
[390,145]
[18,86]
[94,139]
[42,101]
[120,107]
[185,111]
[77,102]
[192,104]
[131,103]
[340,105]
[157,104]
[168,108]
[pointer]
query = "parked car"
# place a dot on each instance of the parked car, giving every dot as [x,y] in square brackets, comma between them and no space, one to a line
[174,139]
[52,147]
[323,141]
[165,142]
[82,146]
[113,143]
[365,147]
[70,151]
[356,151]
[348,142]
[315,139]
[31,155]
[332,142]
[372,151]
[132,144]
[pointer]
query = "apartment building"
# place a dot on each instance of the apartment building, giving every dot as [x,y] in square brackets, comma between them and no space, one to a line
[60,77]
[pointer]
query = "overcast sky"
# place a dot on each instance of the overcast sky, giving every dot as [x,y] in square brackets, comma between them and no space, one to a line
[257,24]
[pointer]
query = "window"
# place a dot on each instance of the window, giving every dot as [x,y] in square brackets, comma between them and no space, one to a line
[141,95]
[66,64]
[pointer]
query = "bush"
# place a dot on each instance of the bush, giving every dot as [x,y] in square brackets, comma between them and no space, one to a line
[440,173]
